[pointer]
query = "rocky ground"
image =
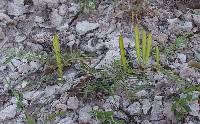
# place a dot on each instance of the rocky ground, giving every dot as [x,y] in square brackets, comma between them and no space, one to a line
[29,89]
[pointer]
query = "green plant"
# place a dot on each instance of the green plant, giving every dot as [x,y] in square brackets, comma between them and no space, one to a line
[86,5]
[137,43]
[180,41]
[52,116]
[144,42]
[22,54]
[109,78]
[180,105]
[122,52]
[107,117]
[149,46]
[30,119]
[59,60]
[171,75]
[19,98]
[146,45]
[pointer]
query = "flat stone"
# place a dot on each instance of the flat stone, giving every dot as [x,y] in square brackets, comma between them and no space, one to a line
[112,103]
[56,19]
[51,90]
[182,57]
[62,9]
[111,55]
[2,35]
[194,106]
[4,19]
[142,93]
[134,108]
[85,26]
[38,19]
[16,9]
[157,109]
[72,103]
[67,120]
[8,113]
[196,19]
[85,115]
[146,105]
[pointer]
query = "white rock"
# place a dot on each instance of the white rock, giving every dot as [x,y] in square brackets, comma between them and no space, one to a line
[113,43]
[85,115]
[39,19]
[2,35]
[4,19]
[73,8]
[51,90]
[63,27]
[134,108]
[62,9]
[49,3]
[196,19]
[157,109]
[33,95]
[19,39]
[146,121]
[8,113]
[111,55]
[67,120]
[16,9]
[188,72]
[61,107]
[16,62]
[176,26]
[56,19]
[182,57]
[71,37]
[24,68]
[112,103]
[85,26]
[24,84]
[194,106]
[72,103]
[146,105]
[34,47]
[18,2]
[142,93]
[34,65]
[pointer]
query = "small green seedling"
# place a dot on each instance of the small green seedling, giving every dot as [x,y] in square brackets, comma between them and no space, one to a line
[144,42]
[149,46]
[137,43]
[122,52]
[59,61]
[146,45]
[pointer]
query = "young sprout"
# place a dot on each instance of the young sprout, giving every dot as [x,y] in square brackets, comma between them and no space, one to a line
[137,42]
[122,52]
[149,46]
[57,51]
[144,42]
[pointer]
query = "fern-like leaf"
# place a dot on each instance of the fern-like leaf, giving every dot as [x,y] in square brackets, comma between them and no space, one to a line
[144,42]
[137,42]
[57,51]
[149,46]
[122,52]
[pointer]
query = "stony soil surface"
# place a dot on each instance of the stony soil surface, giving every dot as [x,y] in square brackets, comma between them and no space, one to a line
[26,31]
